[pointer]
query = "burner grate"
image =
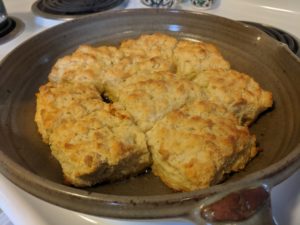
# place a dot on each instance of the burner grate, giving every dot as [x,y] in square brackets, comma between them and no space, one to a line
[76,7]
[7,26]
[278,35]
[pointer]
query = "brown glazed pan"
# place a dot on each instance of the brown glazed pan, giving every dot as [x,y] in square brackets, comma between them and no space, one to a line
[27,162]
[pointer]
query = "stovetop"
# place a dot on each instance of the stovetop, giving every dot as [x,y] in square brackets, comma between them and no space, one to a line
[280,14]
[22,208]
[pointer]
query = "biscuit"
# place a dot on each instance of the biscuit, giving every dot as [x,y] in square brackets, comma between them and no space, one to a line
[238,92]
[195,146]
[150,45]
[56,100]
[192,57]
[82,66]
[149,98]
[103,145]
[106,66]
[93,141]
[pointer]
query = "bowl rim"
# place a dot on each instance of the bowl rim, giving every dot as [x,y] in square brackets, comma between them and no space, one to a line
[24,178]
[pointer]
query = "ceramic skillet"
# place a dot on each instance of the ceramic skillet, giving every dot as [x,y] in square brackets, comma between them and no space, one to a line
[27,162]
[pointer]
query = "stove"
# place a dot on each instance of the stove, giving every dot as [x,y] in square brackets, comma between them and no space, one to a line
[278,35]
[280,19]
[69,9]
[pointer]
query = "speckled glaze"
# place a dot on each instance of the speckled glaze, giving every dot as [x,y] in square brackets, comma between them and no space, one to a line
[204,4]
[159,3]
[26,161]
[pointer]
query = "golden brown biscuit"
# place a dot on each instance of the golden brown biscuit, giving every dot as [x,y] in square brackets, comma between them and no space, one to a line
[104,145]
[107,67]
[56,100]
[238,92]
[192,148]
[192,57]
[83,65]
[150,45]
[149,98]
[110,65]
[93,141]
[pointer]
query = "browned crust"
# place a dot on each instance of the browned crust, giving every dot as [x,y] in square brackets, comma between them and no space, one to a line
[194,108]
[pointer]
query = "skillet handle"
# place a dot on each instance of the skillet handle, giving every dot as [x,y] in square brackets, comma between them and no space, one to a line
[249,206]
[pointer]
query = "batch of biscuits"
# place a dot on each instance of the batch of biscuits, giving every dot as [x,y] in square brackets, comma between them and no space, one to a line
[173,105]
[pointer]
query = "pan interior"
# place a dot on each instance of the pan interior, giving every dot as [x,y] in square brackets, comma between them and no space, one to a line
[247,50]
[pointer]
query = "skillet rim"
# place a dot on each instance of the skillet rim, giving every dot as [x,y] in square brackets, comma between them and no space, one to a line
[20,176]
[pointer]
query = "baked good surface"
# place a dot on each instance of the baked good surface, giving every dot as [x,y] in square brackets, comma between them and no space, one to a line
[238,92]
[57,100]
[149,98]
[195,146]
[192,57]
[93,141]
[110,112]
[108,66]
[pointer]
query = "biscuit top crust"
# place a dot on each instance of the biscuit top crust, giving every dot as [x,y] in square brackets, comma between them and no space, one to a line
[238,92]
[152,46]
[104,141]
[107,67]
[194,147]
[56,101]
[93,141]
[149,98]
[192,57]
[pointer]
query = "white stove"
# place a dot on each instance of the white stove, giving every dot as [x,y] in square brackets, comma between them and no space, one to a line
[21,208]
